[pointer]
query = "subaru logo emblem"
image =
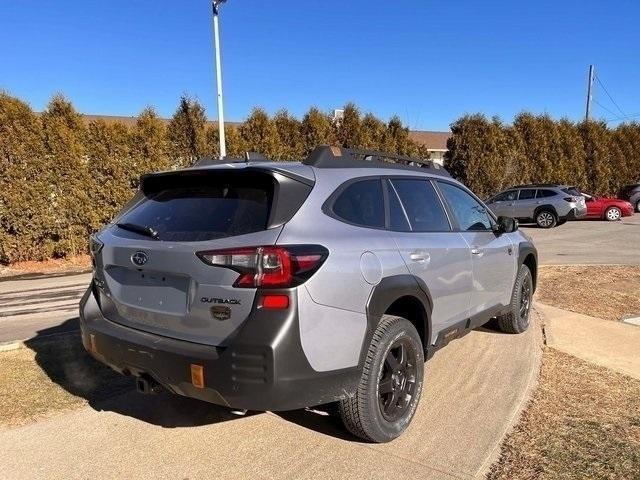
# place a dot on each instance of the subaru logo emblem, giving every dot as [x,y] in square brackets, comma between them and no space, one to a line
[139,258]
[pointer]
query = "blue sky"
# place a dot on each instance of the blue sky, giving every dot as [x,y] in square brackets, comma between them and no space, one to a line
[427,61]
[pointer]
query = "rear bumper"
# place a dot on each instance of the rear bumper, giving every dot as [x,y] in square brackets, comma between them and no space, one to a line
[263,367]
[575,213]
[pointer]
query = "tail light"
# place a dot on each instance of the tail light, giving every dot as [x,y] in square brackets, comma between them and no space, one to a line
[269,266]
[95,246]
[570,199]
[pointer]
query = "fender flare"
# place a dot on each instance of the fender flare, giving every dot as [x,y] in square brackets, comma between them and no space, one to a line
[524,250]
[546,206]
[382,297]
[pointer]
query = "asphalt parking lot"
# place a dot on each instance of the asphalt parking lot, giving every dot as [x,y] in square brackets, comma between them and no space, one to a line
[588,242]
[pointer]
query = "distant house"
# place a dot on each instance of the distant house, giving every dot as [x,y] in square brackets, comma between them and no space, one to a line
[436,142]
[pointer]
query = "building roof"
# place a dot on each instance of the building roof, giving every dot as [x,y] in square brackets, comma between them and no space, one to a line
[432,139]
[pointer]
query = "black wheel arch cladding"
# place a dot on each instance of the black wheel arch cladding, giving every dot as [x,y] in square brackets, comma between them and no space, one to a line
[528,255]
[405,296]
[546,207]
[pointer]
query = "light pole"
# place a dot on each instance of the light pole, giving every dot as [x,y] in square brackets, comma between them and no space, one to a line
[215,4]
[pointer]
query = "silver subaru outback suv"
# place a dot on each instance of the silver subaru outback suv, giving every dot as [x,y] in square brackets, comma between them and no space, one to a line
[277,286]
[545,204]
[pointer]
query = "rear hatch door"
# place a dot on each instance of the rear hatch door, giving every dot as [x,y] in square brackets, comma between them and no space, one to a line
[149,274]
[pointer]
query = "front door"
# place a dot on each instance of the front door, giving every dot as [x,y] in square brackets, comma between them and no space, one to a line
[493,256]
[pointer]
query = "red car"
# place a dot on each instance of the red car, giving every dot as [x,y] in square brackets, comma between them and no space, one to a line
[607,208]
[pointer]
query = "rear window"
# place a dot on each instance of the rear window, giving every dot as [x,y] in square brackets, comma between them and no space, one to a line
[217,209]
[361,203]
[572,191]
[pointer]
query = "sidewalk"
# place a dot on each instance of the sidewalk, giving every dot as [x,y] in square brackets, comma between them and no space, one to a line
[613,345]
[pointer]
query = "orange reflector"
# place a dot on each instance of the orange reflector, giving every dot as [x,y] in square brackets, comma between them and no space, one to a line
[275,302]
[92,340]
[197,375]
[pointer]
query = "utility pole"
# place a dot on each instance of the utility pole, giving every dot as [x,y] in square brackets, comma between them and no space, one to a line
[215,4]
[589,86]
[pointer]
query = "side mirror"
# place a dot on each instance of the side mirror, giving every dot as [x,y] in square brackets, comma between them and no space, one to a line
[505,225]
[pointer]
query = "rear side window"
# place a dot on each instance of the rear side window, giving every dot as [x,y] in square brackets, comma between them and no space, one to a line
[470,214]
[217,209]
[361,203]
[545,194]
[420,205]
[527,194]
[572,191]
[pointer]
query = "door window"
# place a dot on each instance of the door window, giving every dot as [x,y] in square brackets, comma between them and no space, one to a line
[545,193]
[470,214]
[506,196]
[527,194]
[419,204]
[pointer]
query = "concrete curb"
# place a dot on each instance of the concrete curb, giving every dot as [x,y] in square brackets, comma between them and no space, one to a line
[10,346]
[18,344]
[527,395]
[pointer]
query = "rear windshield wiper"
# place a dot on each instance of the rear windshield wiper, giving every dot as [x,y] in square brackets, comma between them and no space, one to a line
[141,229]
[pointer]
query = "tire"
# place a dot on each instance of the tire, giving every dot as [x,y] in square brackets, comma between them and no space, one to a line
[546,219]
[517,320]
[612,214]
[370,413]
[638,206]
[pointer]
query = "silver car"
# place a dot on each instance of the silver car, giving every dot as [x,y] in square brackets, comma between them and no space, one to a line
[547,204]
[277,286]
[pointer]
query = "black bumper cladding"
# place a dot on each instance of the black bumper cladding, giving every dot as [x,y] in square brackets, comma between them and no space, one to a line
[261,366]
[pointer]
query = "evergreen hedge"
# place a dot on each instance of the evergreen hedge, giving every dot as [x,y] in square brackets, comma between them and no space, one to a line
[62,178]
[488,155]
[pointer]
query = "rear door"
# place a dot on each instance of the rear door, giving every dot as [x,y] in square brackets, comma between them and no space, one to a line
[155,281]
[493,258]
[430,249]
[525,205]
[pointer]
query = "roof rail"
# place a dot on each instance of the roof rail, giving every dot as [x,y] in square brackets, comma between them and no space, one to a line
[531,185]
[338,157]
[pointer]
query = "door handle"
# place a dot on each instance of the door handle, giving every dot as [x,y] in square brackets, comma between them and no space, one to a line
[420,256]
[476,251]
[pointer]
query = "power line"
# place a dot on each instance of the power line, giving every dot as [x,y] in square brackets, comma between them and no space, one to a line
[609,95]
[603,107]
[626,117]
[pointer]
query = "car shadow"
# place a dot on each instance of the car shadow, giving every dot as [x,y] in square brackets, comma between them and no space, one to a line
[61,356]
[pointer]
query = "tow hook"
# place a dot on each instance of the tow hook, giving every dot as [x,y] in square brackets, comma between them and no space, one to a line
[147,385]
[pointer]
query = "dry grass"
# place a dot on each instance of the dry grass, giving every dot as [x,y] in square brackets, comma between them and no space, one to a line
[604,291]
[54,265]
[583,422]
[52,375]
